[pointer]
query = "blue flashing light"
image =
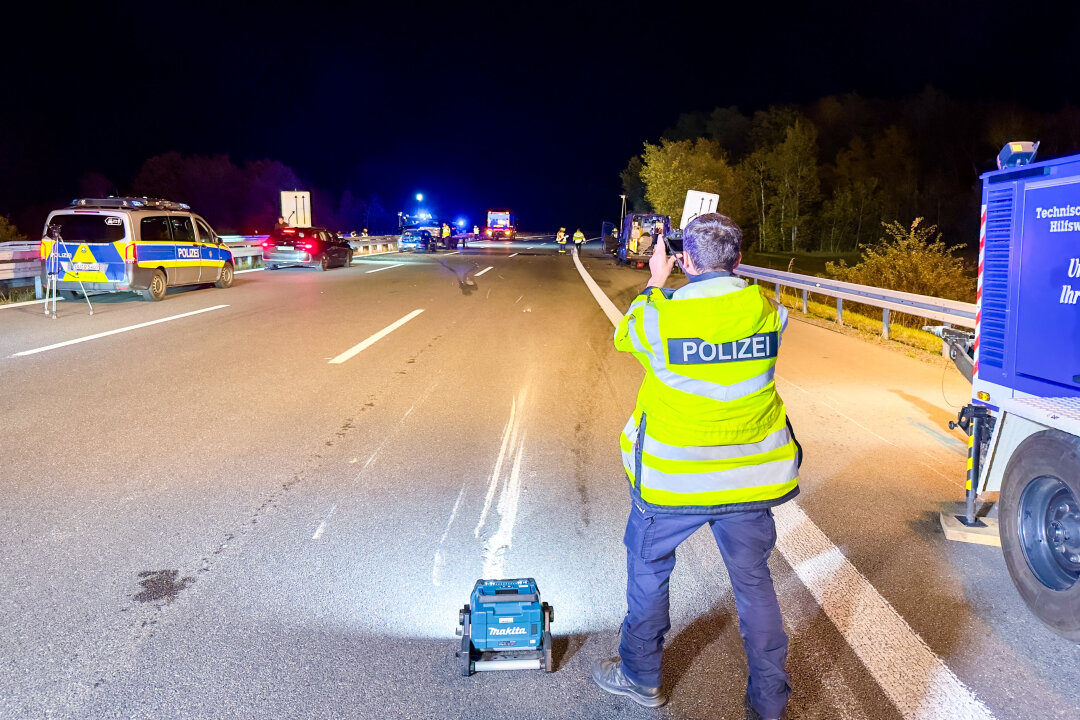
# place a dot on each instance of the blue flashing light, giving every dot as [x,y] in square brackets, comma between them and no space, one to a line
[419,197]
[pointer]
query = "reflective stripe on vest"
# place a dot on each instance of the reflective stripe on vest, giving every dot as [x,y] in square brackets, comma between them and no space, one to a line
[653,349]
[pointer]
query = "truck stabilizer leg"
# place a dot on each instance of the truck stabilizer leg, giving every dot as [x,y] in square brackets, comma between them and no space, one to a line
[978,416]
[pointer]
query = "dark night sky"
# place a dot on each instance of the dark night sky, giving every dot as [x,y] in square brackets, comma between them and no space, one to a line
[527,105]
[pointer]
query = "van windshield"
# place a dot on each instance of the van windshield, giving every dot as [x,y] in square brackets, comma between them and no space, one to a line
[89,228]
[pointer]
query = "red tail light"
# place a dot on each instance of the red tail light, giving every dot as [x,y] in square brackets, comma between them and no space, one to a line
[306,246]
[131,253]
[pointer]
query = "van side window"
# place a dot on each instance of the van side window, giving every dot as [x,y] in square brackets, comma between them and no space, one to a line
[206,235]
[155,229]
[183,229]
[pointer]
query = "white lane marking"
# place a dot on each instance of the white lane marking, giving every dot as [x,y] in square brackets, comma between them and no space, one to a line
[529,248]
[496,549]
[489,267]
[322,526]
[23,303]
[356,349]
[384,267]
[602,300]
[456,252]
[507,431]
[519,299]
[818,397]
[241,272]
[514,255]
[117,331]
[438,563]
[916,680]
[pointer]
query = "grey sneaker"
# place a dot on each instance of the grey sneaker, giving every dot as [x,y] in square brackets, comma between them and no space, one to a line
[608,675]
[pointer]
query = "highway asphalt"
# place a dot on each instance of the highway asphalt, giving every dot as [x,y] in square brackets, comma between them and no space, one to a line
[271,501]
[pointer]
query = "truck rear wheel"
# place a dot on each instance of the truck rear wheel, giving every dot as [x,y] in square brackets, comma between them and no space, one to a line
[1039,522]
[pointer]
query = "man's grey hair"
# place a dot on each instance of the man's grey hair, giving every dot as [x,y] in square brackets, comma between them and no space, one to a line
[713,242]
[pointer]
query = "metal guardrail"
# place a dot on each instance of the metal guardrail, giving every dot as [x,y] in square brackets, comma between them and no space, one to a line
[22,261]
[949,312]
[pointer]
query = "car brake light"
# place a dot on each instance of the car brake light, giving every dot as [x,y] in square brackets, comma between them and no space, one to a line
[306,246]
[267,243]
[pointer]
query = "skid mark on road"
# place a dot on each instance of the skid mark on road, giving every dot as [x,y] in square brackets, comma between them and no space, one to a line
[918,682]
[322,526]
[440,560]
[497,547]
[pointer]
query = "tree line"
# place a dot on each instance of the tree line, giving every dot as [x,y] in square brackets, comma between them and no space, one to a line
[234,198]
[826,176]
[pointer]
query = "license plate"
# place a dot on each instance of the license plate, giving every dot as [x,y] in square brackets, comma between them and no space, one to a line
[288,248]
[88,267]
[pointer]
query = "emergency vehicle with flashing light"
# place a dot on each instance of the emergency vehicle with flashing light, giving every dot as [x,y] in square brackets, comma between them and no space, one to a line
[500,225]
[1023,359]
[146,245]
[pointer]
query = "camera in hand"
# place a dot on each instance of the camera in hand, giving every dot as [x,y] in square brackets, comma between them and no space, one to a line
[674,240]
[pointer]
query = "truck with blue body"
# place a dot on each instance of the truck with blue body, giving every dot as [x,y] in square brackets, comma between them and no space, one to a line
[1023,422]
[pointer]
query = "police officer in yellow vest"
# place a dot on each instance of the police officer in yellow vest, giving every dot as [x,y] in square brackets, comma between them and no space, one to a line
[579,238]
[708,442]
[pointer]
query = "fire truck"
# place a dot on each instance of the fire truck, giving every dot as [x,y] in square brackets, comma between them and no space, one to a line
[500,225]
[1023,359]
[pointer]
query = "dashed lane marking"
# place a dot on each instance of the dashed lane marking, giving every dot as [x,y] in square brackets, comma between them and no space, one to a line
[489,267]
[384,267]
[107,333]
[514,255]
[918,682]
[360,347]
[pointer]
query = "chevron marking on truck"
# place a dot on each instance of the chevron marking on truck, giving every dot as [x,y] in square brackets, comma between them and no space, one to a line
[979,291]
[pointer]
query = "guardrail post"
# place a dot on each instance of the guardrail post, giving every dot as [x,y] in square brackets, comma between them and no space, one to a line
[885,323]
[38,294]
[840,311]
[777,292]
[945,345]
[804,310]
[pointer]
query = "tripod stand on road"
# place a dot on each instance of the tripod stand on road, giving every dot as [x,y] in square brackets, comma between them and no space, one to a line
[53,268]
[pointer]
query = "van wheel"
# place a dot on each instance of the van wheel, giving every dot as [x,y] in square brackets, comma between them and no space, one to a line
[157,288]
[1039,512]
[226,276]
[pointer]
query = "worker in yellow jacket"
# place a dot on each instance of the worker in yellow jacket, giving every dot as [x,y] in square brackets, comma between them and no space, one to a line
[708,442]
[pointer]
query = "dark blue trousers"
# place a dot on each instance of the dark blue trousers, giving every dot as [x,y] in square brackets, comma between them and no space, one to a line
[745,540]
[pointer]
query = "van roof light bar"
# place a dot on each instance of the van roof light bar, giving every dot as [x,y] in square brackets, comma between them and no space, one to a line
[130,203]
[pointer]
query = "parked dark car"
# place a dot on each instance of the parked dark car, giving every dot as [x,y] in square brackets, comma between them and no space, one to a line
[417,240]
[306,247]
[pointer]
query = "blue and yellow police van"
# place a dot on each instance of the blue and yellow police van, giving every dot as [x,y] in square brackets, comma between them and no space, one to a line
[120,244]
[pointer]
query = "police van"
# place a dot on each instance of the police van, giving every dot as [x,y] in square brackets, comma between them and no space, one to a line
[121,244]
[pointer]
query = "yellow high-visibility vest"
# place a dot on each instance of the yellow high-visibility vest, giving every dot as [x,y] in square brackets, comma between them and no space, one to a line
[709,431]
